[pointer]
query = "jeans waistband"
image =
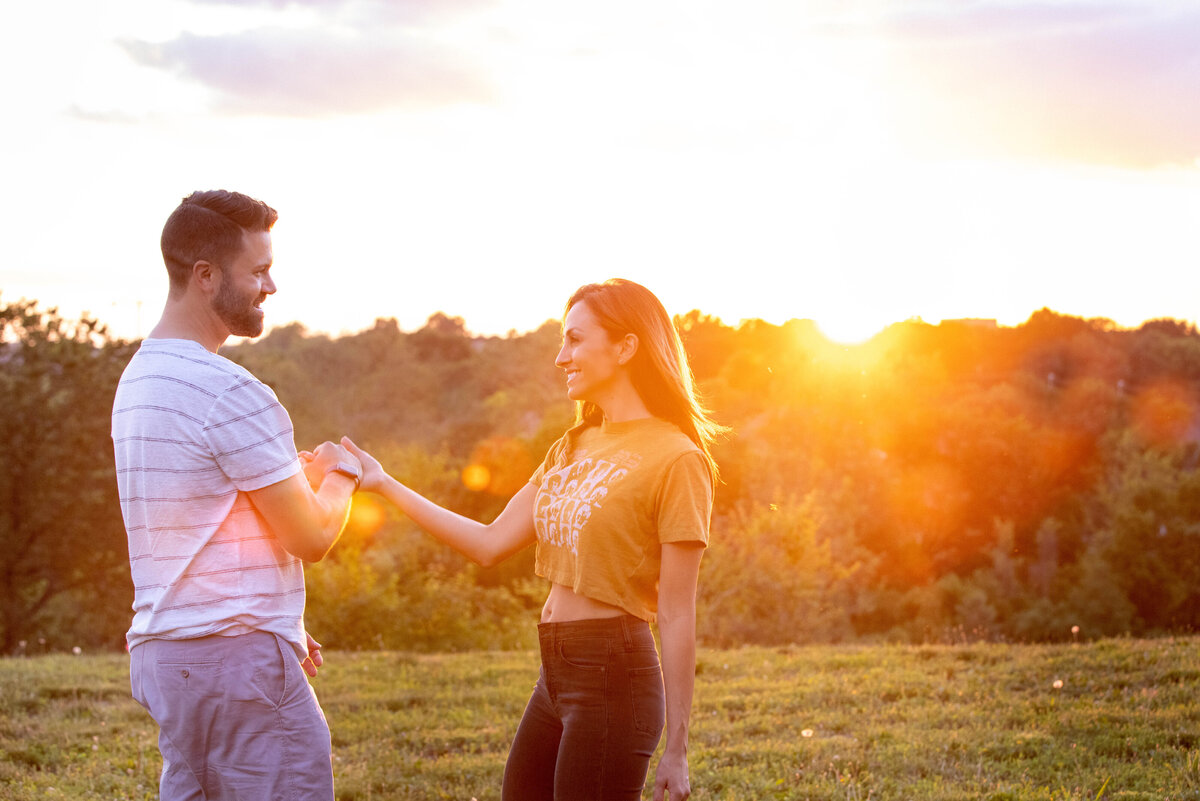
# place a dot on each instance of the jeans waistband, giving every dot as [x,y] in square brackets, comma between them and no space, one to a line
[627,629]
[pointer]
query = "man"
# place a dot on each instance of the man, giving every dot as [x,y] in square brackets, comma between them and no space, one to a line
[220,513]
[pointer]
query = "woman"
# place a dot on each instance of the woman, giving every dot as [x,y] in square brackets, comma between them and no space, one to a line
[620,511]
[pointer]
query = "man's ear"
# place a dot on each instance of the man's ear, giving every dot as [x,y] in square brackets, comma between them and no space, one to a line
[629,346]
[206,276]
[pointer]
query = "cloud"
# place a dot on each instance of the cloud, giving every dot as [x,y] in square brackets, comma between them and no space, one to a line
[109,117]
[311,73]
[1110,83]
[365,10]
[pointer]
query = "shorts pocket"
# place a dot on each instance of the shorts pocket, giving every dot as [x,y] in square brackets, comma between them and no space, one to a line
[648,698]
[203,678]
[270,680]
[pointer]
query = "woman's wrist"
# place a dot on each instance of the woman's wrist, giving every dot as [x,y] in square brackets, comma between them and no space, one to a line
[675,751]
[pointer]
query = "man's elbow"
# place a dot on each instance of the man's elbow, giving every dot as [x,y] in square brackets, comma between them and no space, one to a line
[312,548]
[314,554]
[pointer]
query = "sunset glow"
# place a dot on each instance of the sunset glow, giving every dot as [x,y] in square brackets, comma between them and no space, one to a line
[854,164]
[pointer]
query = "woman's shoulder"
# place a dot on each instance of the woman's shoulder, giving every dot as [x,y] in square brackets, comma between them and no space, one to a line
[657,437]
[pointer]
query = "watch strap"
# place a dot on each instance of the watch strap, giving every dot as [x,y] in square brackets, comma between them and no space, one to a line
[347,470]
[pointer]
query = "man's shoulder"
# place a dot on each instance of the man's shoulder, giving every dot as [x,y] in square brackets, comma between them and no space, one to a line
[187,378]
[181,359]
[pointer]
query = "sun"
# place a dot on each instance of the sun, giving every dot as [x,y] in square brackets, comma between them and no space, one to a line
[849,329]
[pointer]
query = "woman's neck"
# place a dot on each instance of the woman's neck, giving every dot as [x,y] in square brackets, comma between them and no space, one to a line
[623,406]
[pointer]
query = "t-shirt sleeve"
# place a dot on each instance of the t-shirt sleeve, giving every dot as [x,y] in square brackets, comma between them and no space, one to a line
[250,435]
[685,500]
[552,457]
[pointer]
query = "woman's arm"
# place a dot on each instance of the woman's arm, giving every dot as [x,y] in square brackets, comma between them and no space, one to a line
[486,544]
[677,581]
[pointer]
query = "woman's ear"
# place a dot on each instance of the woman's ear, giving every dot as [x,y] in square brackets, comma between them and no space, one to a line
[629,346]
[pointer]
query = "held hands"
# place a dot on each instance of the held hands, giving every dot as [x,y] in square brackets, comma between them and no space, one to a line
[373,472]
[316,463]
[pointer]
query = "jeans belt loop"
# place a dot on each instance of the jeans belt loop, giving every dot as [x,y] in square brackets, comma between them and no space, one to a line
[626,625]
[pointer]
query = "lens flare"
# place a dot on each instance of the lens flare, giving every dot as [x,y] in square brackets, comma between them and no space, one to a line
[1163,412]
[476,477]
[498,465]
[367,516]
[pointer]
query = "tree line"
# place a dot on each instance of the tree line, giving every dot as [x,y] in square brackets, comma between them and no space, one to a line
[939,482]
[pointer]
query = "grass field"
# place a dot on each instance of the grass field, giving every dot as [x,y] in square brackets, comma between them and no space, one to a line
[1115,719]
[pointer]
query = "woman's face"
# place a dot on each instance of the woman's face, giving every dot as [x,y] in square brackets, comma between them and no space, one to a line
[589,356]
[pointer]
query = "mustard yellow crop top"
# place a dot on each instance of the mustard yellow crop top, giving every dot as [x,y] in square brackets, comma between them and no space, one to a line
[608,497]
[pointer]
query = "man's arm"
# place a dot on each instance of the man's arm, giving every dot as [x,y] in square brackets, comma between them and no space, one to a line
[307,522]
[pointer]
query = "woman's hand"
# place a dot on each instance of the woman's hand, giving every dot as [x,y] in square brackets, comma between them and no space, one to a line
[373,473]
[671,778]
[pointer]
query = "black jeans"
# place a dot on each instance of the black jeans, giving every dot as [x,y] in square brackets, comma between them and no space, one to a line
[595,716]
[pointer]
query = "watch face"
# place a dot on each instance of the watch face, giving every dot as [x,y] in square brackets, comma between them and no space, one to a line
[347,470]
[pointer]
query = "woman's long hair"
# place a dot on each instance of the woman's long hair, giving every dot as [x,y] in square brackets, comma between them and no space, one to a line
[659,369]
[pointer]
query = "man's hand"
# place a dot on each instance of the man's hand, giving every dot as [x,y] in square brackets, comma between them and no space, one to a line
[312,473]
[316,463]
[314,659]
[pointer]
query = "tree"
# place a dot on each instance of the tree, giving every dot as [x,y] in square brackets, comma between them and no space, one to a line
[64,573]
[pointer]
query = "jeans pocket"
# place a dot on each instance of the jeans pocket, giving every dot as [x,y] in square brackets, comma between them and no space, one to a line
[584,653]
[649,700]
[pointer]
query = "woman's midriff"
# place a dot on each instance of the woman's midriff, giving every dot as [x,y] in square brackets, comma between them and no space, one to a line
[565,604]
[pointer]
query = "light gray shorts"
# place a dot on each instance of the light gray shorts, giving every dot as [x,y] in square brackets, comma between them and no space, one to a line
[237,719]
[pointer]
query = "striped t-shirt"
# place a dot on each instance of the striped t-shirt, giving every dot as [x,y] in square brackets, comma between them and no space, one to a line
[193,432]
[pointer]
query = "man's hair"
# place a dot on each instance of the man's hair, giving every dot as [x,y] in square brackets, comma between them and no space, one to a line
[208,226]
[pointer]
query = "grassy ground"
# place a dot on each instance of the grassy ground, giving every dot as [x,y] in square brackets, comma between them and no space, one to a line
[1116,719]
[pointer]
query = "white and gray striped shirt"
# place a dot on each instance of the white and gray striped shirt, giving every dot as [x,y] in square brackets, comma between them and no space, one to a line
[193,432]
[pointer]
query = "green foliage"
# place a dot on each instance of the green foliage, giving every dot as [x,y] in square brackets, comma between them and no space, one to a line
[392,599]
[770,578]
[947,483]
[63,573]
[1147,519]
[437,387]
[981,722]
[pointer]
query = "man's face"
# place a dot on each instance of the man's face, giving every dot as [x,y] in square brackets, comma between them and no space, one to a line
[245,284]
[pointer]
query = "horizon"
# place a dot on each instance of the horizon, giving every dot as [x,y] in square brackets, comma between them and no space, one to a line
[1106,324]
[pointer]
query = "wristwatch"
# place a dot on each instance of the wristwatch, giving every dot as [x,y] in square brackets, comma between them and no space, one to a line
[347,470]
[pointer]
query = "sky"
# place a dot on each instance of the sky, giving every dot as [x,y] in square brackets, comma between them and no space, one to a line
[857,163]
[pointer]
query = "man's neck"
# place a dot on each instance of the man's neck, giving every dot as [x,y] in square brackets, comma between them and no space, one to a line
[178,321]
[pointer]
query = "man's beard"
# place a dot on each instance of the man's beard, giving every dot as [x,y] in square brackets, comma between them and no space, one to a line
[237,311]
